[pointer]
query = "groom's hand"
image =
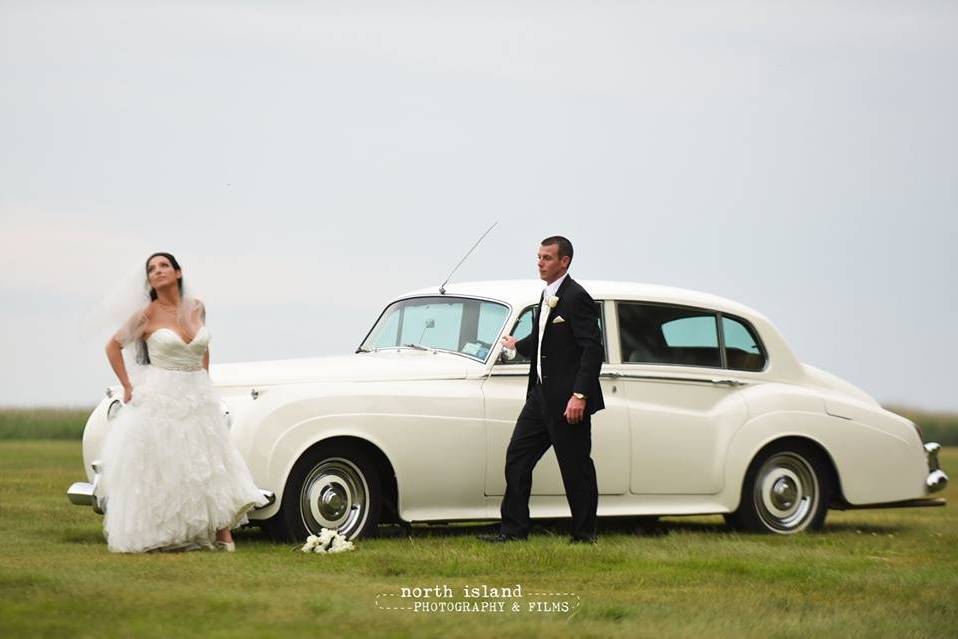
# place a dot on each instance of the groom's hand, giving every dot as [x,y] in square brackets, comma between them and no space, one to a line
[574,410]
[509,342]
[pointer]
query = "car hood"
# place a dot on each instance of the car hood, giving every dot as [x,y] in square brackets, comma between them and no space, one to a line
[391,365]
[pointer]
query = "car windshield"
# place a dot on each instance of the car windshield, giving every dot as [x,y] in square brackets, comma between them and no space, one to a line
[459,325]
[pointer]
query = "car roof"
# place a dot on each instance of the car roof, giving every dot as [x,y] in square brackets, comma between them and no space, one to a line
[520,293]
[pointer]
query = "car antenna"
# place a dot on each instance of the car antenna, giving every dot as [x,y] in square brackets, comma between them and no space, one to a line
[442,287]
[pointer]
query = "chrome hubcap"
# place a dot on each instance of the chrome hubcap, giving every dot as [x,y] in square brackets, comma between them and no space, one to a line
[333,502]
[335,495]
[786,493]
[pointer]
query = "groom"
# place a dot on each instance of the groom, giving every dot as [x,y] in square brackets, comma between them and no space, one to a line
[565,349]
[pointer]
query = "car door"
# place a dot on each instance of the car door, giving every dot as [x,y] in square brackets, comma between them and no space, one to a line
[684,403]
[504,393]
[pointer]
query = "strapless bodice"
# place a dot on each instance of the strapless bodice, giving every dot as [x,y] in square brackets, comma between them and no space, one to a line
[168,350]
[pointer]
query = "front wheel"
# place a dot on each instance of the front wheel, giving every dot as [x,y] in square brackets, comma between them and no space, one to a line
[334,487]
[786,490]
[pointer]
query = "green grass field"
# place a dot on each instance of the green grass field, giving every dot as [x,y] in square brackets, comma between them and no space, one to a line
[43,423]
[882,573]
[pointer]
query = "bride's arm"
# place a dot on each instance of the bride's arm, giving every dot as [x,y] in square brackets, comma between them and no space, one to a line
[129,332]
[206,360]
[114,353]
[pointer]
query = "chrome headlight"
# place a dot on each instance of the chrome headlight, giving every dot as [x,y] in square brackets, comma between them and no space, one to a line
[114,408]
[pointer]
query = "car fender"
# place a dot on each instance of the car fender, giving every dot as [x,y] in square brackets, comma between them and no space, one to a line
[874,462]
[433,456]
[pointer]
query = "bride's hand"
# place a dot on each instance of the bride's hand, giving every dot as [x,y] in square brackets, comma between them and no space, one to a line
[127,394]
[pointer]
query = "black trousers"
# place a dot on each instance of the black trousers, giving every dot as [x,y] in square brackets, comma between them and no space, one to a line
[535,431]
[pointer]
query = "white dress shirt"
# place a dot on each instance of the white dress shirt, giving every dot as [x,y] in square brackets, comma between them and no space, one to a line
[550,291]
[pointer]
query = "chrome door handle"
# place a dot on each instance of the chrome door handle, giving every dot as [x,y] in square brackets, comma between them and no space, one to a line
[728,382]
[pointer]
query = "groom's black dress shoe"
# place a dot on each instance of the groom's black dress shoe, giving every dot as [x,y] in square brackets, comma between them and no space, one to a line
[583,540]
[501,538]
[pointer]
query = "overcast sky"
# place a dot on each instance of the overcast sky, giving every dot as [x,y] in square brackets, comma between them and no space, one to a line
[307,161]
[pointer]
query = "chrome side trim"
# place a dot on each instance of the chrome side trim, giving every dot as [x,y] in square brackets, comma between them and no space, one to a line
[616,375]
[674,378]
[525,373]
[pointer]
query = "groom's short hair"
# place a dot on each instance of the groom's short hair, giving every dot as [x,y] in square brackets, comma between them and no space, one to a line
[565,246]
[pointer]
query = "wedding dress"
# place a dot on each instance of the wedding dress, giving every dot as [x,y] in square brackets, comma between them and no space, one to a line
[171,476]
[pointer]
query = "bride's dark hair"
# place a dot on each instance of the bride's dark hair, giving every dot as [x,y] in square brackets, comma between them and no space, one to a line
[173,263]
[142,355]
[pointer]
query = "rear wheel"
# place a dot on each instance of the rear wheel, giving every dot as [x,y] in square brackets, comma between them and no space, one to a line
[786,490]
[334,487]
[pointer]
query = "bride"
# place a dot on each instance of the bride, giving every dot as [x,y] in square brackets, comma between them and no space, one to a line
[171,478]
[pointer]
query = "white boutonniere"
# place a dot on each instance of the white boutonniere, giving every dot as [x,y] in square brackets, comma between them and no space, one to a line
[553,301]
[328,541]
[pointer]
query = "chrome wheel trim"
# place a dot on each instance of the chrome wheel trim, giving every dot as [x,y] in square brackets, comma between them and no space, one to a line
[786,493]
[335,495]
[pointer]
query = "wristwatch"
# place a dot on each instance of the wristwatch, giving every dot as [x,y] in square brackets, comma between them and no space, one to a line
[578,395]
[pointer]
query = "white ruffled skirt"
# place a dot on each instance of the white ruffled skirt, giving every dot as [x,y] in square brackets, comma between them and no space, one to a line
[171,476]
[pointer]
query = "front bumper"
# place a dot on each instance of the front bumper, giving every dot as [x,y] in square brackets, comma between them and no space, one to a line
[83,493]
[937,479]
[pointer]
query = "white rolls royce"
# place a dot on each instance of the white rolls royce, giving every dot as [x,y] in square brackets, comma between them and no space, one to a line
[708,411]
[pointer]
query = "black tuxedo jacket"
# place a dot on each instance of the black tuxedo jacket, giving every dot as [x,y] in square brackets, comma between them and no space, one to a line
[571,350]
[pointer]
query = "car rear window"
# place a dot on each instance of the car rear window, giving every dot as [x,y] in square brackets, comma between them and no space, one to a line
[743,351]
[659,334]
[664,334]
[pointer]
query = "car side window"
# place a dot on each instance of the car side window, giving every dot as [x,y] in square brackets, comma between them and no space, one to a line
[743,350]
[659,334]
[523,327]
[605,345]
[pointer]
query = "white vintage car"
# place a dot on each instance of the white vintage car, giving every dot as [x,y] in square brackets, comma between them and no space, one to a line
[707,411]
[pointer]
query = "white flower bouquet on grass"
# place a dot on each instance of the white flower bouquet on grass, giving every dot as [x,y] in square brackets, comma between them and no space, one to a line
[326,542]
